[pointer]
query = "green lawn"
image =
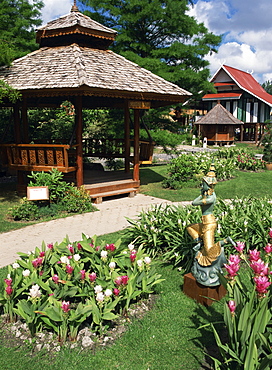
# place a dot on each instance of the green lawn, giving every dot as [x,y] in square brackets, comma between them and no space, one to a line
[257,184]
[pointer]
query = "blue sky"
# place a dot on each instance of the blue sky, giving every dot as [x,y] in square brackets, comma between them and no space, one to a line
[246,26]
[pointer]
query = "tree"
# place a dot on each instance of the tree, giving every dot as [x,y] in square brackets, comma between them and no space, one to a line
[161,37]
[18,20]
[267,85]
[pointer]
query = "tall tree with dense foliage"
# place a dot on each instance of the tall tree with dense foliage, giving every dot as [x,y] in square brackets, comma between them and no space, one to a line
[267,85]
[18,20]
[160,36]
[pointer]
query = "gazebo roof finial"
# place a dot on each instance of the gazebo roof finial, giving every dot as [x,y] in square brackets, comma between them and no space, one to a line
[74,7]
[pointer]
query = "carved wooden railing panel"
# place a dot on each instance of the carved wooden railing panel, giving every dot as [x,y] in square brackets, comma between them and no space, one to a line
[38,157]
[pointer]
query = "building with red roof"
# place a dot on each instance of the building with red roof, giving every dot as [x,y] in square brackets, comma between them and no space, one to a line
[243,97]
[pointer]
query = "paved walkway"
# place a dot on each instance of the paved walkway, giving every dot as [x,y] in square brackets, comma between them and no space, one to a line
[110,217]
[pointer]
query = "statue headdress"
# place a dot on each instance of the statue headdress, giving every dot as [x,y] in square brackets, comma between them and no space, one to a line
[210,178]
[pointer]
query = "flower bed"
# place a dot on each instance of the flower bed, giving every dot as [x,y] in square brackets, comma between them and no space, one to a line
[248,312]
[59,287]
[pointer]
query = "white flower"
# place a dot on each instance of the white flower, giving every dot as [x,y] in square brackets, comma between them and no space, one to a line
[108,293]
[35,291]
[98,289]
[139,263]
[219,229]
[112,265]
[64,259]
[76,257]
[131,247]
[103,254]
[15,265]
[26,273]
[147,260]
[184,223]
[100,297]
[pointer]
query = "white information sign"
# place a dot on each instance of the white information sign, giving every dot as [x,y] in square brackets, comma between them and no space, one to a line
[37,193]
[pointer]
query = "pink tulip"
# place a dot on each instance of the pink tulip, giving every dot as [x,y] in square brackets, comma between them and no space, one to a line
[65,306]
[69,269]
[71,249]
[232,269]
[240,247]
[254,255]
[110,247]
[116,292]
[50,246]
[8,281]
[270,232]
[82,274]
[92,277]
[268,248]
[37,262]
[234,258]
[9,290]
[79,246]
[262,283]
[118,281]
[124,279]
[259,267]
[232,306]
[132,257]
[55,278]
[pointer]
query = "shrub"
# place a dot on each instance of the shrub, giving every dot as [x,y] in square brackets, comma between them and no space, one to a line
[26,210]
[77,200]
[63,198]
[63,286]
[54,180]
[188,169]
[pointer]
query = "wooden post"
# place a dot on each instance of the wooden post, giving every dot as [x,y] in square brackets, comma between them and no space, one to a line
[79,150]
[242,133]
[136,168]
[17,131]
[25,122]
[127,138]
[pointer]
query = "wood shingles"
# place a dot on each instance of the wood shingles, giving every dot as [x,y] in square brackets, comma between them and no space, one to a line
[70,62]
[219,115]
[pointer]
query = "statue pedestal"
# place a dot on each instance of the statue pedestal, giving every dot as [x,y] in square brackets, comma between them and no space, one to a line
[202,293]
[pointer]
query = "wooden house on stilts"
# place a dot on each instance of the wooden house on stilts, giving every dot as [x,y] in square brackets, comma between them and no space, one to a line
[74,63]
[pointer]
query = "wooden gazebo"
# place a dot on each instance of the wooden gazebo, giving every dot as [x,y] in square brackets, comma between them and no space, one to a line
[218,125]
[74,63]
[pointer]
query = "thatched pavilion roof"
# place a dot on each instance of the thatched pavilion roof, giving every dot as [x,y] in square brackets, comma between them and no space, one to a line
[219,115]
[72,60]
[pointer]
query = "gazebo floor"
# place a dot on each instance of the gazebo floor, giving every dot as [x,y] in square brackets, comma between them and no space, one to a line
[101,184]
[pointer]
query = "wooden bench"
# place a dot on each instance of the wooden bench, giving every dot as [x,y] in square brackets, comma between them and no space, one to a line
[38,157]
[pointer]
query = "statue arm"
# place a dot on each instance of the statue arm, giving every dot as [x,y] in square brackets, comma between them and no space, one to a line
[202,200]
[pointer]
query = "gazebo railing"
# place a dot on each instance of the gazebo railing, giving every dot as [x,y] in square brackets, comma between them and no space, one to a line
[115,148]
[37,157]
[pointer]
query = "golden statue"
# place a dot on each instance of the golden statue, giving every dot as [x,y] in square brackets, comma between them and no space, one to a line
[210,258]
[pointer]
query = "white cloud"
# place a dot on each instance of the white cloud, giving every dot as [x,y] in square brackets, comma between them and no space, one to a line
[54,9]
[246,26]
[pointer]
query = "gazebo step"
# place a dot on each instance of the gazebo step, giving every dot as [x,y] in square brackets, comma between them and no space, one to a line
[99,196]
[109,186]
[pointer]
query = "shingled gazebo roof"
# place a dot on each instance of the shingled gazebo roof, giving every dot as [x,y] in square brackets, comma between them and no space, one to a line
[219,115]
[74,60]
